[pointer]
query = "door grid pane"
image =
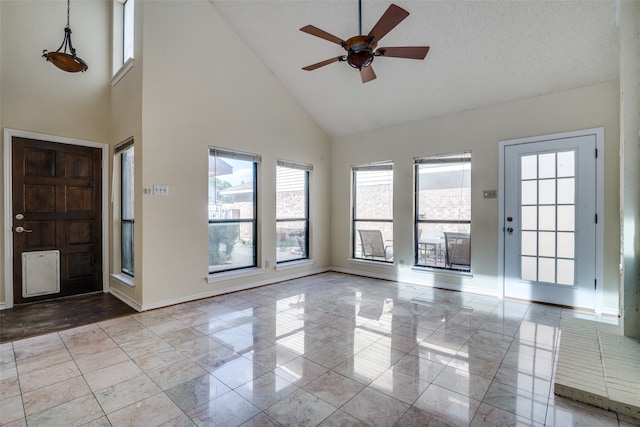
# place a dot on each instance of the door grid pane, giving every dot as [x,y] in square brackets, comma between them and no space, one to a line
[547,212]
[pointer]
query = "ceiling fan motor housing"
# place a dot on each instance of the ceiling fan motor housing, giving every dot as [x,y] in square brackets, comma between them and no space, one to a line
[360,51]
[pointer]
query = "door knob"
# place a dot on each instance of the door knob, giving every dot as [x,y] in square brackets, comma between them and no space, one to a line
[20,229]
[510,230]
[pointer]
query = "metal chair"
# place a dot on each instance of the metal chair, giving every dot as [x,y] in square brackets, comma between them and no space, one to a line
[429,244]
[457,250]
[373,245]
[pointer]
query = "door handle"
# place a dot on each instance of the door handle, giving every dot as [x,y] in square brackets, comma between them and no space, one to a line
[510,230]
[20,229]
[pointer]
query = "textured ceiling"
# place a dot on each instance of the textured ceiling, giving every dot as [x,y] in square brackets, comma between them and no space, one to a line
[482,53]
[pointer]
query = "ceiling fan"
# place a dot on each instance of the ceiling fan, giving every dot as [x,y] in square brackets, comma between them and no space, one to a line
[361,49]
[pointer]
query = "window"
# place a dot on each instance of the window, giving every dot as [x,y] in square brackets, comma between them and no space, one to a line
[127,30]
[123,35]
[232,209]
[292,211]
[125,155]
[443,212]
[372,230]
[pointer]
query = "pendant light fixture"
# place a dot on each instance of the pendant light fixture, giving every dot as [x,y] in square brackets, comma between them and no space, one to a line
[60,58]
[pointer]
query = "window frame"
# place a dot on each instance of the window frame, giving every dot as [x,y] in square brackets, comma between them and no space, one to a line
[454,158]
[256,160]
[306,168]
[120,65]
[128,31]
[120,151]
[379,166]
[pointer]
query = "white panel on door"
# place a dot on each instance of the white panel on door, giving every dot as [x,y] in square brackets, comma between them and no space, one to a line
[40,273]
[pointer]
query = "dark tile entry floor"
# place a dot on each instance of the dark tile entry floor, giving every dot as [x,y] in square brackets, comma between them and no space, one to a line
[28,320]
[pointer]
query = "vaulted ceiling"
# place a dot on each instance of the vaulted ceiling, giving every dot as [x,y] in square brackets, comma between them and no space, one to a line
[482,53]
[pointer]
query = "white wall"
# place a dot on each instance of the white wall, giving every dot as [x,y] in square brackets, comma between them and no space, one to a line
[38,97]
[125,121]
[479,131]
[202,86]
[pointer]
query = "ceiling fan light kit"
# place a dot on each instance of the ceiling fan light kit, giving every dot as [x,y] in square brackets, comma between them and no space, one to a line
[69,62]
[361,49]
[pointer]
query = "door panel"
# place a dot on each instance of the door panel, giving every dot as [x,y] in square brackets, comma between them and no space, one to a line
[57,201]
[550,229]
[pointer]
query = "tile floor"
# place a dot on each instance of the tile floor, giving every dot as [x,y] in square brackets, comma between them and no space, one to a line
[330,350]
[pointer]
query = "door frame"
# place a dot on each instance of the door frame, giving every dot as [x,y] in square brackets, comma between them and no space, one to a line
[599,264]
[8,205]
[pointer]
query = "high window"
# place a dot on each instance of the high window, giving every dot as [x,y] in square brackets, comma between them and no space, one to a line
[443,212]
[232,209]
[125,159]
[292,211]
[127,30]
[123,35]
[372,228]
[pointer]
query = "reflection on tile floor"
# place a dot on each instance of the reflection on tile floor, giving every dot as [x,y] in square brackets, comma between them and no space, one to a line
[330,349]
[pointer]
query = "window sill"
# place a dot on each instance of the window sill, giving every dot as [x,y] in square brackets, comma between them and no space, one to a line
[124,279]
[371,262]
[227,275]
[293,264]
[443,271]
[122,71]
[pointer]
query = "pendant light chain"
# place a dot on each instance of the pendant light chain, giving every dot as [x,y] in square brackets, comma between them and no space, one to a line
[68,8]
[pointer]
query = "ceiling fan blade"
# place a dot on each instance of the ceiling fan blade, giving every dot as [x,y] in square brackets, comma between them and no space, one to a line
[410,52]
[387,22]
[322,63]
[367,74]
[315,31]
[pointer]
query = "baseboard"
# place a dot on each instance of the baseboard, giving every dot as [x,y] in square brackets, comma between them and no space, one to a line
[125,299]
[3,306]
[218,292]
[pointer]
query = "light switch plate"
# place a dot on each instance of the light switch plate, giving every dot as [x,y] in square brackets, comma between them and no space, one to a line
[160,190]
[489,194]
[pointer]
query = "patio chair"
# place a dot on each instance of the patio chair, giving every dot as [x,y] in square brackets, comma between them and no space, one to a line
[457,250]
[373,245]
[430,244]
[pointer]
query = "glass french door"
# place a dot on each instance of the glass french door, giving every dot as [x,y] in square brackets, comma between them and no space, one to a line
[550,221]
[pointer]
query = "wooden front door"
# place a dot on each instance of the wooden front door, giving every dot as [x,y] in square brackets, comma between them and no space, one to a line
[56,191]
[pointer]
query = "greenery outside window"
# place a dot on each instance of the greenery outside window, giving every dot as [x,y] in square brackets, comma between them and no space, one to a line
[443,212]
[372,210]
[232,209]
[292,211]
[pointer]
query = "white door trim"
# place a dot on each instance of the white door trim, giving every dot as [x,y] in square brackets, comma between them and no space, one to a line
[8,211]
[599,135]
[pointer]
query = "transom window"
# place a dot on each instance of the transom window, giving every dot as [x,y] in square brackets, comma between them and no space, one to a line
[443,212]
[372,228]
[292,211]
[232,209]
